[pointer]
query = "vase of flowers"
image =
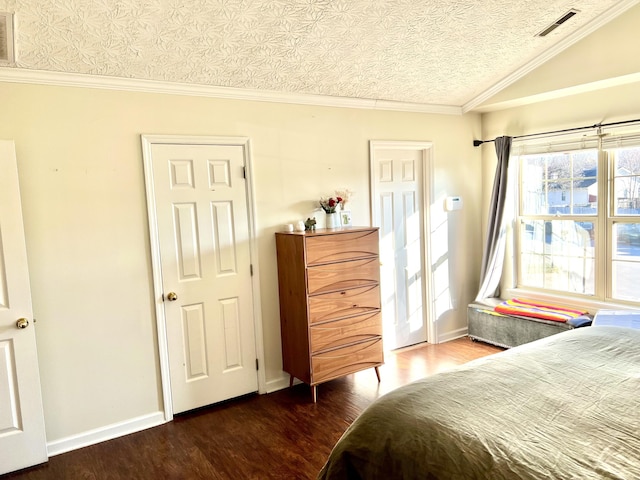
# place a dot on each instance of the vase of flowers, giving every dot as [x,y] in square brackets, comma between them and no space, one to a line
[331,206]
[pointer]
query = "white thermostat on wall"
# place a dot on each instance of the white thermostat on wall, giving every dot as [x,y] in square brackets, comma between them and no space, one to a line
[452,203]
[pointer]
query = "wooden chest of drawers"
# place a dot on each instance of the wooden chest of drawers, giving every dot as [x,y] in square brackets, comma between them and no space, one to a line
[329,284]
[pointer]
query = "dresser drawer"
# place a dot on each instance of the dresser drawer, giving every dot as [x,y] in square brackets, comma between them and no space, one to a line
[339,276]
[341,246]
[343,361]
[343,303]
[346,331]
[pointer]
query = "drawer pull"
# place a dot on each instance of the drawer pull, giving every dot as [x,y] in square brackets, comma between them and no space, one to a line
[343,293]
[354,306]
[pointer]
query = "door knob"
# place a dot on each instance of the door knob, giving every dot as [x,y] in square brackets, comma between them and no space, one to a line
[22,323]
[172,297]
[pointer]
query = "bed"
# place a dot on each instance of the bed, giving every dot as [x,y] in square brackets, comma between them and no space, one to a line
[565,407]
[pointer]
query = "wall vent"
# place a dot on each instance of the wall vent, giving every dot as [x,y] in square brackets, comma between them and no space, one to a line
[557,23]
[6,39]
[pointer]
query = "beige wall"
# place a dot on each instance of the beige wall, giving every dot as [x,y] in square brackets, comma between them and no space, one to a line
[81,176]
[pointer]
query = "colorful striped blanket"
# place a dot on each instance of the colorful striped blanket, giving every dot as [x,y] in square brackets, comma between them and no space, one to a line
[526,308]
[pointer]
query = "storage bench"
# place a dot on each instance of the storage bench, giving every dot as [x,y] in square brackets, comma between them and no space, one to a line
[508,331]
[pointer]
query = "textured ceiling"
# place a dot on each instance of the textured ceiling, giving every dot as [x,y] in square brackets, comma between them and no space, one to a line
[437,52]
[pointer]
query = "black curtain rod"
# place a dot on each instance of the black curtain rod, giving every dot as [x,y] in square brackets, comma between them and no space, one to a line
[477,143]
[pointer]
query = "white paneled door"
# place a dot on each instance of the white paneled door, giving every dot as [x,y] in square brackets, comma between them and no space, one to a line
[203,231]
[22,435]
[398,209]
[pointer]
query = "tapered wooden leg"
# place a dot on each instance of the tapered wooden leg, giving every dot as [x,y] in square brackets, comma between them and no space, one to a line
[290,380]
[314,393]
[378,374]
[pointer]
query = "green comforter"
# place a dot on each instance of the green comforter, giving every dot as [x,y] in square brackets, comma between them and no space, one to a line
[564,407]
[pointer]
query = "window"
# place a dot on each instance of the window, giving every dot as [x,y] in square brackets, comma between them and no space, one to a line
[625,223]
[578,220]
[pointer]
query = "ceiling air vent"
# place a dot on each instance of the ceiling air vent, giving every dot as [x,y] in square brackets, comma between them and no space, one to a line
[557,23]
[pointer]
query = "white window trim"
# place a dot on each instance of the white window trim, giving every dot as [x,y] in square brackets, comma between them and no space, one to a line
[602,298]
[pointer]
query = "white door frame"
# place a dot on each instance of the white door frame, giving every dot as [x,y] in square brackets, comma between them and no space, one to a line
[161,320]
[427,202]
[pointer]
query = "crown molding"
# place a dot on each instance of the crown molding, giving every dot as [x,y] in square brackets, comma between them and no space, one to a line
[418,107]
[560,93]
[43,77]
[570,40]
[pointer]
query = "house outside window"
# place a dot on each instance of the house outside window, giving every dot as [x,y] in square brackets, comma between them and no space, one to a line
[577,228]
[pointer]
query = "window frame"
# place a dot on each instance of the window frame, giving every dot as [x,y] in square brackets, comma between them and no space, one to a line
[604,221]
[520,218]
[613,218]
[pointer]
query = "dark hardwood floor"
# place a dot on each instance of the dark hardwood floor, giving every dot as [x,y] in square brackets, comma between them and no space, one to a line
[282,435]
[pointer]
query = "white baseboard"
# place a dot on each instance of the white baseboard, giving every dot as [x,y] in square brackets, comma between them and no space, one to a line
[108,432]
[452,335]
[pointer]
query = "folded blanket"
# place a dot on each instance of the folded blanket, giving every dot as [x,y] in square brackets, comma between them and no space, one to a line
[526,308]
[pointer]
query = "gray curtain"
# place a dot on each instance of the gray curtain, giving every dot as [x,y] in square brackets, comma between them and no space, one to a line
[493,256]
